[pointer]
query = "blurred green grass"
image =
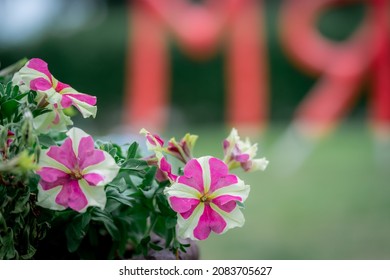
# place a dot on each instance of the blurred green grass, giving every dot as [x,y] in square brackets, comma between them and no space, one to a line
[335,206]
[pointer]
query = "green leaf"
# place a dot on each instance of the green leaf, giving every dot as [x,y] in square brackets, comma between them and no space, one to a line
[31,96]
[163,206]
[30,253]
[124,197]
[155,246]
[132,151]
[7,248]
[9,108]
[134,165]
[8,88]
[46,140]
[119,183]
[21,203]
[15,92]
[76,231]
[99,215]
[20,96]
[149,176]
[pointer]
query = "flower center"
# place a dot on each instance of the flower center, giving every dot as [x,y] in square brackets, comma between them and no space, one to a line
[76,174]
[205,198]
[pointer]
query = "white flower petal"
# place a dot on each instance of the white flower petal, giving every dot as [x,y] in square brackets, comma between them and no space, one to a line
[182,191]
[46,161]
[95,195]
[76,134]
[85,109]
[238,189]
[233,219]
[259,164]
[47,198]
[108,169]
[186,226]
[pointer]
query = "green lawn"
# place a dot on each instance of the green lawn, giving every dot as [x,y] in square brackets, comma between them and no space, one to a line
[336,205]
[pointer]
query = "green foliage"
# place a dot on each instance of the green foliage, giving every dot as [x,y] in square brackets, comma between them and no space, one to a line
[20,229]
[136,208]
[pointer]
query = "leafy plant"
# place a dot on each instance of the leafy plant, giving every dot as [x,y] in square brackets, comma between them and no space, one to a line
[64,195]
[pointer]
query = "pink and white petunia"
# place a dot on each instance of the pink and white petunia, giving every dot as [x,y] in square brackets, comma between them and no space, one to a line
[182,150]
[35,75]
[74,174]
[153,141]
[239,153]
[206,198]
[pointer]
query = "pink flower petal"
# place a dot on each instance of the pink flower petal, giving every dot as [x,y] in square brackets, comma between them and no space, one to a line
[50,174]
[85,98]
[209,221]
[193,175]
[220,176]
[188,214]
[155,140]
[242,157]
[60,86]
[226,203]
[72,196]
[57,117]
[93,178]
[87,153]
[66,101]
[183,205]
[40,66]
[166,168]
[40,84]
[226,145]
[52,177]
[64,154]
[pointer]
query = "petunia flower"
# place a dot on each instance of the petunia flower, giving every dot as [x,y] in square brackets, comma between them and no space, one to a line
[183,149]
[153,141]
[74,174]
[155,144]
[35,75]
[206,198]
[239,153]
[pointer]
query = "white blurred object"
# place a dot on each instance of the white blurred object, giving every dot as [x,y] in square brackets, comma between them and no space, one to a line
[290,152]
[29,20]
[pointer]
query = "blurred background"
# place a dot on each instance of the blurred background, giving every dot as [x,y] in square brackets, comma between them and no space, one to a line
[319,112]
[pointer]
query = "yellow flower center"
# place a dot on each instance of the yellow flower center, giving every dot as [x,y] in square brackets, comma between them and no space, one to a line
[76,174]
[205,198]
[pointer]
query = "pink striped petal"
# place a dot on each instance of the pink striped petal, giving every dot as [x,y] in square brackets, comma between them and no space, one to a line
[87,153]
[52,177]
[155,140]
[188,214]
[166,168]
[57,115]
[184,206]
[226,203]
[226,145]
[209,221]
[40,66]
[60,86]
[64,154]
[50,174]
[193,175]
[242,158]
[66,101]
[82,97]
[219,173]
[72,196]
[93,178]
[40,84]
